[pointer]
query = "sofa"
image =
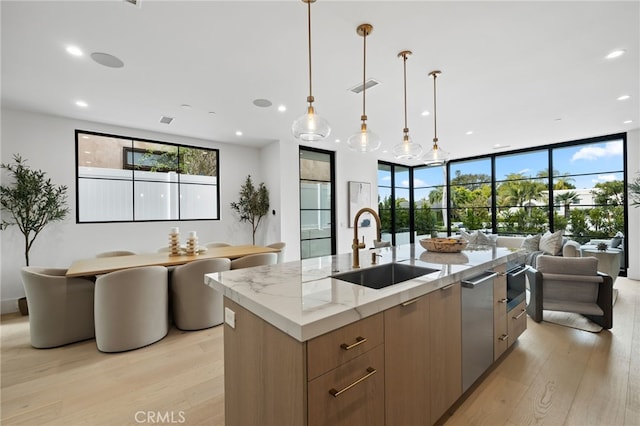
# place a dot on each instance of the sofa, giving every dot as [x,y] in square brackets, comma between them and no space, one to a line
[567,247]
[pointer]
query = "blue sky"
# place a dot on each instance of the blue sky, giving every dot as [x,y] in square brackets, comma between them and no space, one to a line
[596,162]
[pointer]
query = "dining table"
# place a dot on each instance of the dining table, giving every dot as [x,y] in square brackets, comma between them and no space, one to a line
[104,265]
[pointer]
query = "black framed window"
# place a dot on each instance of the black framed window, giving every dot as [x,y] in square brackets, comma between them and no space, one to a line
[122,179]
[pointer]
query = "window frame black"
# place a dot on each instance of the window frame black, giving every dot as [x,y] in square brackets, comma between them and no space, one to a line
[142,168]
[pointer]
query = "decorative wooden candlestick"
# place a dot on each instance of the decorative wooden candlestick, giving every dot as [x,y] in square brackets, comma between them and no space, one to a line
[192,244]
[174,242]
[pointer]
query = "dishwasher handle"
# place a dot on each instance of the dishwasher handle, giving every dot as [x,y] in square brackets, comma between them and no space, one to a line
[478,279]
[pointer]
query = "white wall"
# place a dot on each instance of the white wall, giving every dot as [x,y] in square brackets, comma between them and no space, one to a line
[48,143]
[633,239]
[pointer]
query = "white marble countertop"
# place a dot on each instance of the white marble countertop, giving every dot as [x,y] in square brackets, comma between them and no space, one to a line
[303,300]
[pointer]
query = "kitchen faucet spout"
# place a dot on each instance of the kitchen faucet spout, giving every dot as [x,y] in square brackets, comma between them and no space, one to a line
[357,245]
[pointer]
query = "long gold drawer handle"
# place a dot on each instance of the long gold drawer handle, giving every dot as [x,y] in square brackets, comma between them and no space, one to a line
[370,372]
[410,302]
[503,300]
[503,337]
[359,340]
[447,287]
[520,314]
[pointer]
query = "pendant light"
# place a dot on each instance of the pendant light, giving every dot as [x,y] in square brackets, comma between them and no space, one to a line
[407,150]
[310,127]
[435,156]
[364,140]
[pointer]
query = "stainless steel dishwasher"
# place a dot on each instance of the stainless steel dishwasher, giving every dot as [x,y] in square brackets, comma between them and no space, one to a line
[477,326]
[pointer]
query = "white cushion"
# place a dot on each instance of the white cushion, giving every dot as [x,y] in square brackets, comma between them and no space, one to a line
[531,243]
[551,243]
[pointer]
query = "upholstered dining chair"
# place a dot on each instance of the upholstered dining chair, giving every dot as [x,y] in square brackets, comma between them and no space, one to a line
[254,260]
[216,244]
[60,308]
[196,306]
[570,284]
[131,308]
[115,253]
[280,246]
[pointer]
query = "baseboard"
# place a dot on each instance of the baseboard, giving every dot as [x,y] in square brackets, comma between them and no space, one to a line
[8,306]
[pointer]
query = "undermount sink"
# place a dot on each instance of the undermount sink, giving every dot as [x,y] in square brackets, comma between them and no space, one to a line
[382,276]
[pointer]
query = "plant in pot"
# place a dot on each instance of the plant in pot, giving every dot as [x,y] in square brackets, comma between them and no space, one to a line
[253,204]
[31,201]
[634,191]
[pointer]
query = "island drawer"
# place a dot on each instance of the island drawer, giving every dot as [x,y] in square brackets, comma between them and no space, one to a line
[332,349]
[352,394]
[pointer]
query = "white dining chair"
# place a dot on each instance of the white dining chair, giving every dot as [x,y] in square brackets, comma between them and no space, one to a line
[131,308]
[194,305]
[254,260]
[60,308]
[280,246]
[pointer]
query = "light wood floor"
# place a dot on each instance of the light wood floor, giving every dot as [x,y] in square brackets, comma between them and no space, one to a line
[553,376]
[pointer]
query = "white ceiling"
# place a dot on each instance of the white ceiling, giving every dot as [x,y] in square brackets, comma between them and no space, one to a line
[515,73]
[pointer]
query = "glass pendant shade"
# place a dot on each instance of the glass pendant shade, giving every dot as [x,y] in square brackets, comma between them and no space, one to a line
[310,127]
[407,150]
[364,140]
[435,157]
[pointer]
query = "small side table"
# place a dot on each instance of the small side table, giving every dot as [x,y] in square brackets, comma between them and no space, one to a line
[608,261]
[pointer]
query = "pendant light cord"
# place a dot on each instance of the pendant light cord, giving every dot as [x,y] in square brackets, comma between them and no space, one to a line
[406,128]
[364,76]
[435,121]
[310,98]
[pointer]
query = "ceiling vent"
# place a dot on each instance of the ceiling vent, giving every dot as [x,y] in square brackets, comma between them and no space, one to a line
[368,85]
[134,2]
[166,120]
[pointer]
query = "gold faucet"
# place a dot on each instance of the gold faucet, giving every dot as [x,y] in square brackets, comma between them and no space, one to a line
[357,245]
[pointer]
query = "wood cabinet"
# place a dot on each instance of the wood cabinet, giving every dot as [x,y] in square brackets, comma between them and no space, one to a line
[401,366]
[445,356]
[407,349]
[346,374]
[423,357]
[500,320]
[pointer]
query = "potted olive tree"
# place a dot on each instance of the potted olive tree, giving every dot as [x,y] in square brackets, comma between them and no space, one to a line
[31,201]
[253,204]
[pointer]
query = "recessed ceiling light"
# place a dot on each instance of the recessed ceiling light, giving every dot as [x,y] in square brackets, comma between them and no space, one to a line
[628,121]
[212,112]
[107,60]
[623,97]
[384,151]
[469,132]
[185,106]
[337,140]
[82,104]
[424,113]
[238,133]
[615,54]
[282,108]
[74,50]
[499,146]
[262,103]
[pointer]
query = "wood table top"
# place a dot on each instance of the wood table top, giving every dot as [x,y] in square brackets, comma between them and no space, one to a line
[103,265]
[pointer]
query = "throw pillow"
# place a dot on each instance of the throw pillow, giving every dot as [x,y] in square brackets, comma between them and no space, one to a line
[551,243]
[482,238]
[617,240]
[470,238]
[531,243]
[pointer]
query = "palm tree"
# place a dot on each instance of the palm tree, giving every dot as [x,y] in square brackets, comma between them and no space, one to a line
[566,199]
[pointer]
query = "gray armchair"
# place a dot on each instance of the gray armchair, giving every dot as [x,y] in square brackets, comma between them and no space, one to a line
[60,308]
[570,284]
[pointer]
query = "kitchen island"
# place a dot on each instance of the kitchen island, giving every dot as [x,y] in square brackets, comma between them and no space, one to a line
[302,347]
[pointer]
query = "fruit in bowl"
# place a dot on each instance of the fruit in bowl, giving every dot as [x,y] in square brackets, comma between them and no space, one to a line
[444,245]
